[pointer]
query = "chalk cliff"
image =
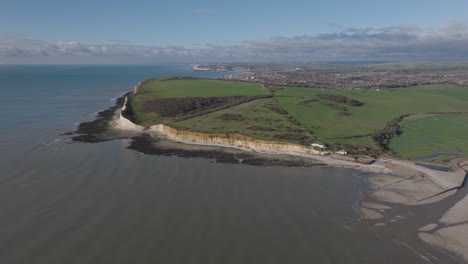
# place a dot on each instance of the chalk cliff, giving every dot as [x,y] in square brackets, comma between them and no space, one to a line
[221,139]
[235,140]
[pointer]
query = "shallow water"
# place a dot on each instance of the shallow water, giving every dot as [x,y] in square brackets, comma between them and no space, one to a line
[434,167]
[101,203]
[435,155]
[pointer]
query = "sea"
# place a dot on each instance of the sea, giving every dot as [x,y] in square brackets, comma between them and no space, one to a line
[99,203]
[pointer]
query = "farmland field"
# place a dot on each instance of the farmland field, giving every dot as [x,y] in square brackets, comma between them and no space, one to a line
[175,87]
[378,107]
[261,119]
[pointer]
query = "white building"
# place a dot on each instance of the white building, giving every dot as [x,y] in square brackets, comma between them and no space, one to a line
[341,152]
[318,145]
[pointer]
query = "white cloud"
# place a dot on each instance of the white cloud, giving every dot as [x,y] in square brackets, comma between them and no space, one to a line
[403,42]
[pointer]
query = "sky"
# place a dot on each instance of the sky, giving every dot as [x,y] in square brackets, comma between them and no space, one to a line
[118,31]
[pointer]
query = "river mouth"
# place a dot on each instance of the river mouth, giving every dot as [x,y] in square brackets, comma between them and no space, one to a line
[437,154]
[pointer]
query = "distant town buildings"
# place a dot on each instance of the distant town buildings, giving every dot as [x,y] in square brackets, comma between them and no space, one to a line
[354,80]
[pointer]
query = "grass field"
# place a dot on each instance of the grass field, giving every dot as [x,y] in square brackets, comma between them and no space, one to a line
[171,87]
[426,135]
[379,107]
[257,119]
[361,141]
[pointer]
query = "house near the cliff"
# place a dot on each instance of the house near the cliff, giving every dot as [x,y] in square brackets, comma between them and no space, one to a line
[341,152]
[318,145]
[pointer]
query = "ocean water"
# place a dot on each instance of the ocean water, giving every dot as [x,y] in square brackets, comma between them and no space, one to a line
[63,202]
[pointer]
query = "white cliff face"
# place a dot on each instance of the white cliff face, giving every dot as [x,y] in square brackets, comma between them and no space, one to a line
[135,89]
[235,140]
[123,123]
[221,139]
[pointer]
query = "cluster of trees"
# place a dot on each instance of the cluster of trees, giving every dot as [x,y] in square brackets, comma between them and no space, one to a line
[341,99]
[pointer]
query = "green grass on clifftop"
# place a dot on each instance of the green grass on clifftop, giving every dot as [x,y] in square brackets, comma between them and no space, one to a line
[379,107]
[262,119]
[180,87]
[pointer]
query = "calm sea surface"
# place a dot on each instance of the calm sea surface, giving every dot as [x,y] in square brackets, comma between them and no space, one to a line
[101,203]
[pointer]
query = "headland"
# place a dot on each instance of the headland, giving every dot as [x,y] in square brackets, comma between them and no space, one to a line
[258,124]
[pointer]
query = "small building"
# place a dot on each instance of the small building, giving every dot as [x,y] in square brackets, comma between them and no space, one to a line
[341,152]
[318,145]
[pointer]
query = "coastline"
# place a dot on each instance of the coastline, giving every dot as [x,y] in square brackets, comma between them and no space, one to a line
[400,167]
[198,67]
[393,181]
[279,148]
[112,124]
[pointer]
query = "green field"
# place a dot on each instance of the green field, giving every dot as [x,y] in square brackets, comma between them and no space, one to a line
[361,141]
[255,119]
[379,107]
[425,135]
[171,87]
[303,115]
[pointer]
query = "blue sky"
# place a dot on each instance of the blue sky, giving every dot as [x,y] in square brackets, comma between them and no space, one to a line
[201,24]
